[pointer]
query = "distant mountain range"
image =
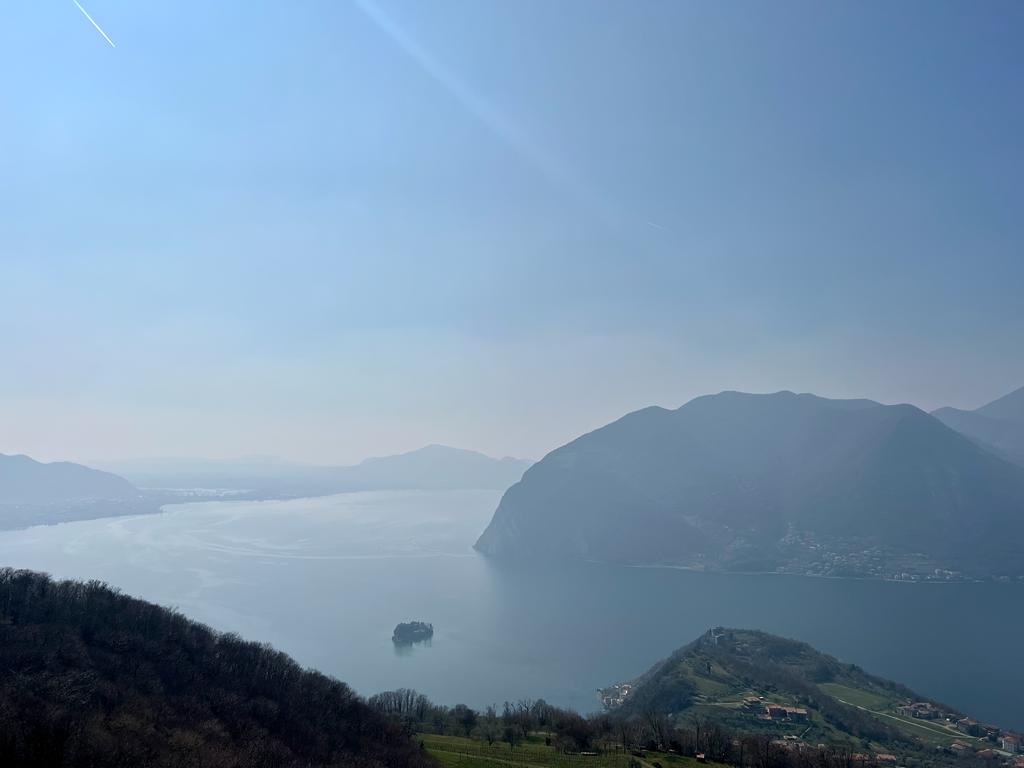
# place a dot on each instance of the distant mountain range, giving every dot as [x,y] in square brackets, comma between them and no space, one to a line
[34,493]
[434,467]
[26,481]
[998,426]
[781,482]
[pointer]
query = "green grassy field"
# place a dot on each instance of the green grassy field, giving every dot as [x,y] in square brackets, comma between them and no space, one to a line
[858,697]
[459,752]
[712,688]
[934,733]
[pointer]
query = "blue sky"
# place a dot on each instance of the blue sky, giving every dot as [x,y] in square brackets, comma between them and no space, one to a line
[329,229]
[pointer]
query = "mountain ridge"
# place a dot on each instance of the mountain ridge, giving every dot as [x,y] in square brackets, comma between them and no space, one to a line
[432,467]
[23,480]
[1009,406]
[734,477]
[997,426]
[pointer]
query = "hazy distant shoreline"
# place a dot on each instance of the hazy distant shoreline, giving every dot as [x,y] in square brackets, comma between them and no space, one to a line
[721,572]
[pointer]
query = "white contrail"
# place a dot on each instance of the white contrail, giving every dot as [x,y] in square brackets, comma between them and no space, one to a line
[93,22]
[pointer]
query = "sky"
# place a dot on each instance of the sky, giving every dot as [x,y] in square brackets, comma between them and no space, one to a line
[329,229]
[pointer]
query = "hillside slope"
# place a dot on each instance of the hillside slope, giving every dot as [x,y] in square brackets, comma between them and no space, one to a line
[734,677]
[998,426]
[94,678]
[24,480]
[770,482]
[1009,407]
[434,467]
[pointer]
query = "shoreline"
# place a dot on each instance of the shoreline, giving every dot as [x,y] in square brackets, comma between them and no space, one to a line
[719,572]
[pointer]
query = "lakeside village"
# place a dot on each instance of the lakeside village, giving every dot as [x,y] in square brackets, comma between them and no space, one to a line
[808,554]
[999,746]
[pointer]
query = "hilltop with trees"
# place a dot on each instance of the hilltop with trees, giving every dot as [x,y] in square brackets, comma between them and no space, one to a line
[736,697]
[94,678]
[752,681]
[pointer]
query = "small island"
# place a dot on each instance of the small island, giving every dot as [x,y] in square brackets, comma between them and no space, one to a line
[410,632]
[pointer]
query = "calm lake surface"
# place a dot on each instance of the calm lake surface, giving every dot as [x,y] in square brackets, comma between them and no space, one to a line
[327,579]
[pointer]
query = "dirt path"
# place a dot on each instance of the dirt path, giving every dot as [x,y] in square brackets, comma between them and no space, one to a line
[937,730]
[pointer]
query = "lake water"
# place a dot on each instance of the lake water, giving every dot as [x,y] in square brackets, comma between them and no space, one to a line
[327,579]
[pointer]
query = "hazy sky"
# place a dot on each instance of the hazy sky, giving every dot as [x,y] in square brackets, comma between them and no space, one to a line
[327,229]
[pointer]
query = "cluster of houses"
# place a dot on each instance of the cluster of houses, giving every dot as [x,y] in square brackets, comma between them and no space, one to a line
[1008,743]
[922,710]
[614,695]
[1005,742]
[795,744]
[993,732]
[777,712]
[1005,745]
[961,749]
[973,728]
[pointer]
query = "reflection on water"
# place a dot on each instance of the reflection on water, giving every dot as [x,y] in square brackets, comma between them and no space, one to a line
[327,580]
[407,649]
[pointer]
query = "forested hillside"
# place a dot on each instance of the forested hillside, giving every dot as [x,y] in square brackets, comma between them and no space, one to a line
[94,678]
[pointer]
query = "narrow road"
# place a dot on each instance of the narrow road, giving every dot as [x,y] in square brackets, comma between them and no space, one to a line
[939,730]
